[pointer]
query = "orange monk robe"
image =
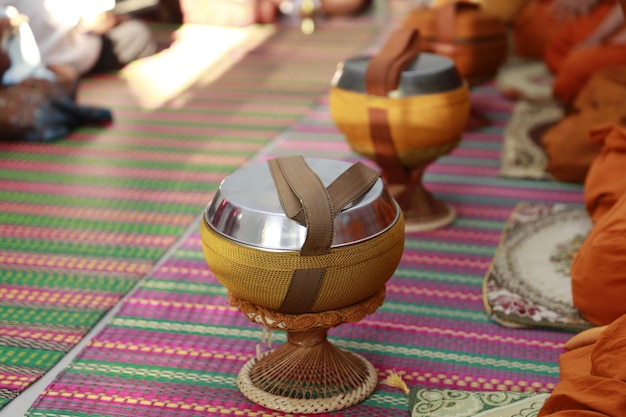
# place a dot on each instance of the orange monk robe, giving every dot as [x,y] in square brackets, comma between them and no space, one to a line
[579,67]
[602,101]
[593,378]
[572,63]
[606,179]
[569,152]
[533,28]
[599,268]
[505,10]
[573,32]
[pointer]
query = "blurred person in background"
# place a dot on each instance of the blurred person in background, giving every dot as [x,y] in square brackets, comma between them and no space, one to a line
[85,35]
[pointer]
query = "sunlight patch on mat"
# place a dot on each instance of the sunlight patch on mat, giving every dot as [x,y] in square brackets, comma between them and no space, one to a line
[199,53]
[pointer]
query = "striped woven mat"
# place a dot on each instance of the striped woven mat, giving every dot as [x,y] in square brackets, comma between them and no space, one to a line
[83,219]
[175,346]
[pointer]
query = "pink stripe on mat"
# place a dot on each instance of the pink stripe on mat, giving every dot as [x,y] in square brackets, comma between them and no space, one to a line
[50,297]
[180,143]
[566,196]
[68,338]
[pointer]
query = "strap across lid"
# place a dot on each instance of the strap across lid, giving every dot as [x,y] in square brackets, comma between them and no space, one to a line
[305,199]
[446,18]
[382,76]
[384,70]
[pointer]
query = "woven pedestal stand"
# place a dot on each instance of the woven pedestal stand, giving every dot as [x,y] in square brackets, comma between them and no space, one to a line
[422,210]
[308,374]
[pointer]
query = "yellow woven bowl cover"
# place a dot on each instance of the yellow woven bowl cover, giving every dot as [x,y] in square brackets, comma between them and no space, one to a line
[353,272]
[423,127]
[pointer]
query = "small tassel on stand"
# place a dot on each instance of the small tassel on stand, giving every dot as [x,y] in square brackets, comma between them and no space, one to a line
[395,380]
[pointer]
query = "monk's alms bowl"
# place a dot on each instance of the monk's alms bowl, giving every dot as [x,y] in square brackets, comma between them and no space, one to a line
[253,248]
[427,113]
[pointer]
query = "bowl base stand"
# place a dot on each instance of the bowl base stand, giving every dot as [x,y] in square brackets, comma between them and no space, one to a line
[307,375]
[422,210]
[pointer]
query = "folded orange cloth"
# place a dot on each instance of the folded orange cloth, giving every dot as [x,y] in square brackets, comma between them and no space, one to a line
[597,387]
[598,278]
[601,101]
[573,32]
[568,148]
[533,28]
[580,65]
[574,64]
[606,182]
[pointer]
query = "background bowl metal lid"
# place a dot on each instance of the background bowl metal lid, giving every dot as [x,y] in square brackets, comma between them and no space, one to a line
[427,74]
[246,209]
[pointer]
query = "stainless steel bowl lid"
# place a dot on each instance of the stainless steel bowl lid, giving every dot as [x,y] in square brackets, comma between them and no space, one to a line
[428,74]
[247,210]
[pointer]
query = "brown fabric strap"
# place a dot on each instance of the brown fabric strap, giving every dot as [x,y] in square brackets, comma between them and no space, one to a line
[350,185]
[294,178]
[303,195]
[385,68]
[307,187]
[386,155]
[382,76]
[288,199]
[446,19]
[302,292]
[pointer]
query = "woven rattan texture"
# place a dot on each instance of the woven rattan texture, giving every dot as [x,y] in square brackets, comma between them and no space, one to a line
[353,273]
[274,320]
[313,405]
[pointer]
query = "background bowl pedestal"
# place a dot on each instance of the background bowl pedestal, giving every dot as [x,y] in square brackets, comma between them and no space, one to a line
[403,109]
[422,210]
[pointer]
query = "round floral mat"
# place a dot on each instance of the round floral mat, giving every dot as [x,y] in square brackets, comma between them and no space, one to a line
[529,281]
